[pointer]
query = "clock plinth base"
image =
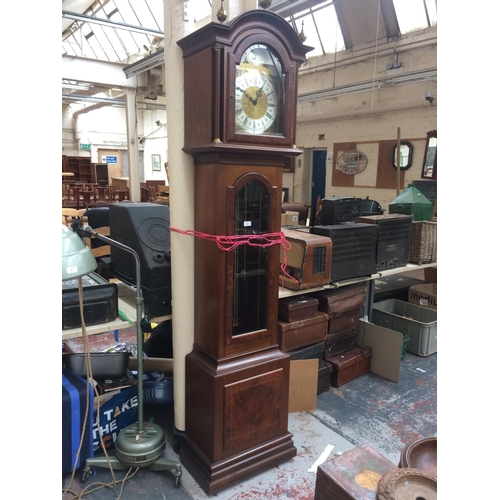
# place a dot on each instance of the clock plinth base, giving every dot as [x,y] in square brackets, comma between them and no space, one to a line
[217,476]
[236,417]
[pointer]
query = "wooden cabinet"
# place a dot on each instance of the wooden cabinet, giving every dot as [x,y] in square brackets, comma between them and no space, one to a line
[80,166]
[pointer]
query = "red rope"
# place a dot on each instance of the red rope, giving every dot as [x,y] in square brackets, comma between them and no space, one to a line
[228,243]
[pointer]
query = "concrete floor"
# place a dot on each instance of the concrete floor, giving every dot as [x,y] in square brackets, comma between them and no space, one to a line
[368,410]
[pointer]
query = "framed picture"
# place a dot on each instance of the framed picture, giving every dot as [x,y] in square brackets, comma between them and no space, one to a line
[289,163]
[156,160]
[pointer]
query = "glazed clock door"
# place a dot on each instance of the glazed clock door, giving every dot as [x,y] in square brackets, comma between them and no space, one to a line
[259,92]
[251,281]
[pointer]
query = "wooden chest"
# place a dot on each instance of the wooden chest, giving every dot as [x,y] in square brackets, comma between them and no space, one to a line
[297,308]
[304,332]
[340,300]
[349,365]
[354,475]
[308,261]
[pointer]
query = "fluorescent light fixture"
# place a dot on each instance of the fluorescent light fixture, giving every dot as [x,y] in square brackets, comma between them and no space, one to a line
[368,86]
[110,24]
[112,102]
[75,86]
[347,89]
[107,100]
[415,77]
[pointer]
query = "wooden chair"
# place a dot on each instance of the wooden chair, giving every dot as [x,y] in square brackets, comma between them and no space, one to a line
[101,251]
[145,194]
[99,248]
[163,193]
[68,214]
[101,193]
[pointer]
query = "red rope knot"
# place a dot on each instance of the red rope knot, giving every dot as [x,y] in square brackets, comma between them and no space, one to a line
[229,243]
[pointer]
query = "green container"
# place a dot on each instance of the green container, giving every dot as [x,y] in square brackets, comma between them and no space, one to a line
[412,202]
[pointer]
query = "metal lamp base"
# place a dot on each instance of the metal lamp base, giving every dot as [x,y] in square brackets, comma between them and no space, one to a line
[136,449]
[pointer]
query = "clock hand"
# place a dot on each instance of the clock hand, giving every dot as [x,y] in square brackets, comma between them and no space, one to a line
[251,99]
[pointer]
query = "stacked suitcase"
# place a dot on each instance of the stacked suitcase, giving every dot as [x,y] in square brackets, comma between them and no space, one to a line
[343,306]
[302,331]
[324,325]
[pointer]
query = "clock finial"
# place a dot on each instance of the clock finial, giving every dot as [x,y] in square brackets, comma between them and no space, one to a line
[221,13]
[265,4]
[302,35]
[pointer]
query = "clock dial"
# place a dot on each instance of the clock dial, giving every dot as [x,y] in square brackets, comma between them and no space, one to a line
[256,103]
[259,96]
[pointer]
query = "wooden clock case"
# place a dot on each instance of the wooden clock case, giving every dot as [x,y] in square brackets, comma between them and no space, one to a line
[237,382]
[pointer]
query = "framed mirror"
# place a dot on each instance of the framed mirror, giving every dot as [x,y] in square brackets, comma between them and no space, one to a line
[405,155]
[429,168]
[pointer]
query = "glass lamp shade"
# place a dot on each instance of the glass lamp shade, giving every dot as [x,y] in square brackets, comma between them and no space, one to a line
[77,258]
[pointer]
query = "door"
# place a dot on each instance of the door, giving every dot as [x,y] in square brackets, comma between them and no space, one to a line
[318,179]
[113,158]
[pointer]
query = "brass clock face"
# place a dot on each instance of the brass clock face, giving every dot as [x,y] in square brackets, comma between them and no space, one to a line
[259,95]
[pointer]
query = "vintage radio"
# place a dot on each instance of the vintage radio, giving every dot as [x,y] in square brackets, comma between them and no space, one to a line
[309,261]
[393,241]
[354,249]
[340,209]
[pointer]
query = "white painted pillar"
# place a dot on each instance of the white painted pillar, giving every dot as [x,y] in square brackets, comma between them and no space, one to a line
[179,22]
[181,179]
[132,145]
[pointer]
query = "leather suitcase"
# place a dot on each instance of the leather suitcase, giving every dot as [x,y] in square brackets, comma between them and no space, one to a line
[308,262]
[301,333]
[337,343]
[344,321]
[340,300]
[354,475]
[349,365]
[297,308]
[74,401]
[314,351]
[324,375]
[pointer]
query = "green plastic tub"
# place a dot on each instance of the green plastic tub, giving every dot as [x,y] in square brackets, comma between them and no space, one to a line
[420,323]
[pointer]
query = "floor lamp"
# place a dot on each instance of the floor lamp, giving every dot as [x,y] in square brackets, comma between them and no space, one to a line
[139,444]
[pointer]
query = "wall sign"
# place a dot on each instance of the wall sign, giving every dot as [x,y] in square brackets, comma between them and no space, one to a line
[352,161]
[110,159]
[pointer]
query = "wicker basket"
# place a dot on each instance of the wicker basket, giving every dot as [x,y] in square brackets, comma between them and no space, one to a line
[423,242]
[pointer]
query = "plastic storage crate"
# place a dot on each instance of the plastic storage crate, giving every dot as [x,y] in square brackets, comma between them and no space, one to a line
[420,323]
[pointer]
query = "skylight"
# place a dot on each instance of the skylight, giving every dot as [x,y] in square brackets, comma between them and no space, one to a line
[125,30]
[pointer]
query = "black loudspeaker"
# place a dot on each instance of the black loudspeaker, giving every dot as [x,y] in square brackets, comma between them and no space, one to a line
[144,227]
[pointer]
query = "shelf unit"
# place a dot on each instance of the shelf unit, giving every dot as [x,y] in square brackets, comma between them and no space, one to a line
[370,280]
[80,166]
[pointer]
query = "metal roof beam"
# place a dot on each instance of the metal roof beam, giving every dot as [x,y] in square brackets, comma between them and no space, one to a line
[102,73]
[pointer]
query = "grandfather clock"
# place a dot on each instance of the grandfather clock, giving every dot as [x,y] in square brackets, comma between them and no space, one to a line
[240,83]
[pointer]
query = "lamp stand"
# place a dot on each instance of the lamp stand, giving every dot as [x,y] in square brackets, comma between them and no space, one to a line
[139,444]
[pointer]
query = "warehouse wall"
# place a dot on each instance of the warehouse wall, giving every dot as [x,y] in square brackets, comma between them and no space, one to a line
[360,119]
[105,128]
[365,118]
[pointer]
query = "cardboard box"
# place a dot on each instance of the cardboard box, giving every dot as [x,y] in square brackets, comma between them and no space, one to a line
[423,295]
[290,219]
[431,275]
[303,387]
